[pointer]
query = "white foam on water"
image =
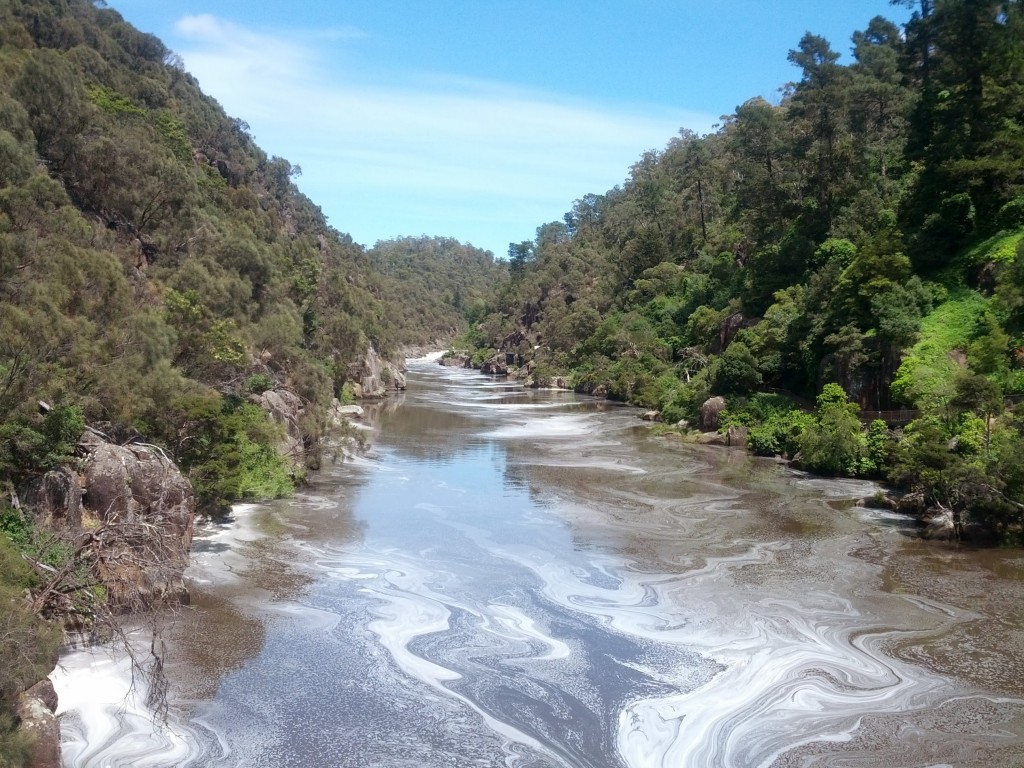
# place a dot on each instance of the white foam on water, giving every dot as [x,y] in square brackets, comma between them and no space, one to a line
[105,721]
[549,428]
[427,359]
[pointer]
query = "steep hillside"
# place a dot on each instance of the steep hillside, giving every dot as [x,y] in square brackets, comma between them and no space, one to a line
[866,232]
[434,285]
[157,268]
[154,262]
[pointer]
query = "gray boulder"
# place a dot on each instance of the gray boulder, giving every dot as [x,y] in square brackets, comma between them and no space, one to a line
[737,437]
[143,510]
[35,709]
[286,409]
[455,360]
[54,500]
[496,366]
[710,413]
[374,376]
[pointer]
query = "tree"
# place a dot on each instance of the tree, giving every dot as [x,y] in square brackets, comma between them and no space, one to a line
[968,123]
[818,110]
[989,351]
[834,444]
[53,97]
[980,395]
[736,372]
[880,100]
[756,136]
[519,255]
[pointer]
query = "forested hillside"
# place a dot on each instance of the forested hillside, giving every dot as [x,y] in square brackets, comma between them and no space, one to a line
[434,285]
[157,267]
[859,240]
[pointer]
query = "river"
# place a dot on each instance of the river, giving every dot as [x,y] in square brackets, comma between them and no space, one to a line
[532,578]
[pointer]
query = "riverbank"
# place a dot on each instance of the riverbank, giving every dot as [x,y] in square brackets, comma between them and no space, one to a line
[106,691]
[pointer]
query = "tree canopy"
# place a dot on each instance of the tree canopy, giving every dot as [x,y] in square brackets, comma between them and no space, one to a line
[863,232]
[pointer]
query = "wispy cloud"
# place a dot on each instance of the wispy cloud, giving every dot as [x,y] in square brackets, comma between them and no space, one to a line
[420,152]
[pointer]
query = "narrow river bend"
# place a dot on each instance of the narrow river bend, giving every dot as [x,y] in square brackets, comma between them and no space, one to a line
[524,578]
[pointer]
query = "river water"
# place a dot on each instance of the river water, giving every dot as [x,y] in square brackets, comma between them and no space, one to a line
[532,578]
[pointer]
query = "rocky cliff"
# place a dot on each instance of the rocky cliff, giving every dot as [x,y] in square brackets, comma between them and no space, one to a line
[373,376]
[145,509]
[287,410]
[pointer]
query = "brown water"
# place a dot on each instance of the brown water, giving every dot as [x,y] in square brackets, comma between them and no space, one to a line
[533,579]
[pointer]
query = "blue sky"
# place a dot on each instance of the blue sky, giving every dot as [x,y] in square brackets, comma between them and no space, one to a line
[482,119]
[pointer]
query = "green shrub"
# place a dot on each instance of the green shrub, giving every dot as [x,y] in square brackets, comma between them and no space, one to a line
[15,527]
[834,443]
[780,434]
[969,434]
[174,135]
[259,383]
[227,446]
[774,424]
[684,400]
[27,448]
[113,102]
[348,394]
[1011,215]
[737,372]
[481,356]
[28,648]
[880,445]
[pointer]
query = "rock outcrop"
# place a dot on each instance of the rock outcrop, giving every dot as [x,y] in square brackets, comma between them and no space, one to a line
[36,708]
[531,378]
[374,377]
[710,413]
[342,415]
[286,409]
[456,360]
[54,500]
[140,509]
[133,509]
[737,437]
[495,366]
[713,438]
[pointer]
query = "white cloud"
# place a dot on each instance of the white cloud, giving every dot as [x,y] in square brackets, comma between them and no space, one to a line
[424,152]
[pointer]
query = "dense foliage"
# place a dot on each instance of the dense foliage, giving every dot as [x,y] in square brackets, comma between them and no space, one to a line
[862,239]
[433,286]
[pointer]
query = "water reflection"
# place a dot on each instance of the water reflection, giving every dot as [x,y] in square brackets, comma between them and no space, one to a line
[529,578]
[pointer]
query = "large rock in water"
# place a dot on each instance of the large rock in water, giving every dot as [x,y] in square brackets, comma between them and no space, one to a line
[456,360]
[495,366]
[144,508]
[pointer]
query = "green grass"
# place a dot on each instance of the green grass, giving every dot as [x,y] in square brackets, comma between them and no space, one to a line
[1001,248]
[925,378]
